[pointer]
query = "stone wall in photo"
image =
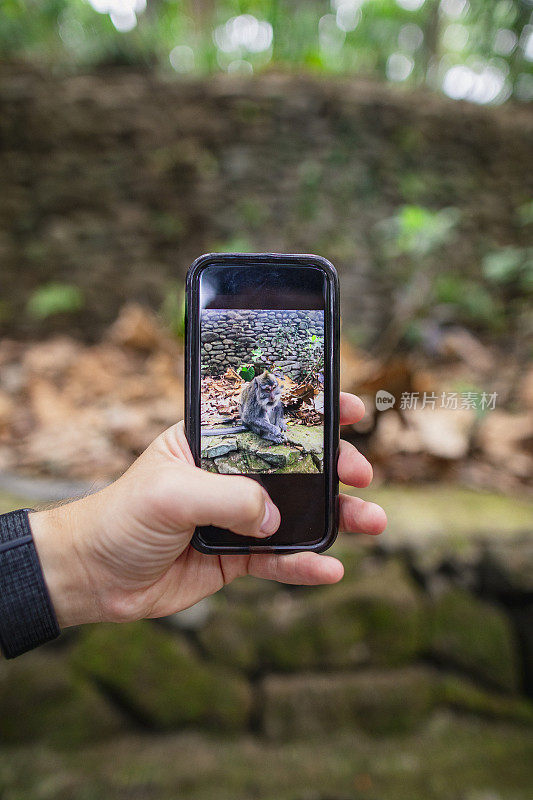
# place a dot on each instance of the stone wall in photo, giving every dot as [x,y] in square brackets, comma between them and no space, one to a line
[229,336]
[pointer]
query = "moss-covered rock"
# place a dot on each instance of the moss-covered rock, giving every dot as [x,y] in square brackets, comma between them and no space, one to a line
[296,637]
[240,463]
[380,702]
[246,452]
[475,636]
[508,568]
[301,464]
[214,446]
[232,635]
[352,553]
[40,698]
[277,455]
[310,439]
[376,619]
[159,680]
[280,634]
[379,618]
[377,702]
[448,517]
[465,696]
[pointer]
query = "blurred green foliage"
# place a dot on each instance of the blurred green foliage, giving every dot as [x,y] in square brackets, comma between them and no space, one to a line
[525,213]
[173,310]
[416,231]
[54,298]
[236,244]
[510,265]
[470,301]
[472,49]
[415,243]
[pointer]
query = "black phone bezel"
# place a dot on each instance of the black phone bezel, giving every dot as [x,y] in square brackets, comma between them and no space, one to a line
[331,423]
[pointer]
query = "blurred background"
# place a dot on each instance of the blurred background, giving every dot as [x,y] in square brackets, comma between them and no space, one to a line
[395,138]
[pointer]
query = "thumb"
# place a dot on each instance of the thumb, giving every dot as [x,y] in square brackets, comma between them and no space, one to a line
[230,501]
[197,497]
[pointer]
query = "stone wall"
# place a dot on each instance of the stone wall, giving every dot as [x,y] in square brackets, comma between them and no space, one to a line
[229,337]
[409,631]
[116,181]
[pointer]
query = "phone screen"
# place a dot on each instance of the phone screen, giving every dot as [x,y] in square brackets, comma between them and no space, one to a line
[263,379]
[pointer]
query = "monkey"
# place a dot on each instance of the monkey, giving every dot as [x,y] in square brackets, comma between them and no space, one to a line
[261,410]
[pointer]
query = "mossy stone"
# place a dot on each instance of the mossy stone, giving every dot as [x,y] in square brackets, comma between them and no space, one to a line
[230,637]
[354,556]
[41,698]
[376,619]
[310,439]
[156,676]
[209,465]
[508,568]
[279,635]
[380,616]
[214,446]
[381,703]
[256,454]
[465,696]
[475,636]
[249,441]
[302,464]
[277,455]
[295,639]
[241,463]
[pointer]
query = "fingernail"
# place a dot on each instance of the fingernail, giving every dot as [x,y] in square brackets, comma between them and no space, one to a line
[270,522]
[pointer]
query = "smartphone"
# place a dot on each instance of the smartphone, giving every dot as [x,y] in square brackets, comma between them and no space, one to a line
[262,389]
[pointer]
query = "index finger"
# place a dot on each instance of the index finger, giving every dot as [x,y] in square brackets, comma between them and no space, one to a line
[352,408]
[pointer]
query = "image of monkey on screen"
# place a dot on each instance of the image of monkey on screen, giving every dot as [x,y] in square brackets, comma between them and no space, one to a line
[262,392]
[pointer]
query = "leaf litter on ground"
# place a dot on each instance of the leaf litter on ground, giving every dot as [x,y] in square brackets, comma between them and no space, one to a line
[221,394]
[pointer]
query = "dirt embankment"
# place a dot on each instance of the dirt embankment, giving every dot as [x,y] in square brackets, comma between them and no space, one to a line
[115,181]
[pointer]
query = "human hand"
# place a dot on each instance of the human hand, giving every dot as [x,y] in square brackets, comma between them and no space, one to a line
[124,553]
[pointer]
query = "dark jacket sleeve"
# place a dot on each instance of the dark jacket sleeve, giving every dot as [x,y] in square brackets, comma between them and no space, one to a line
[27,617]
